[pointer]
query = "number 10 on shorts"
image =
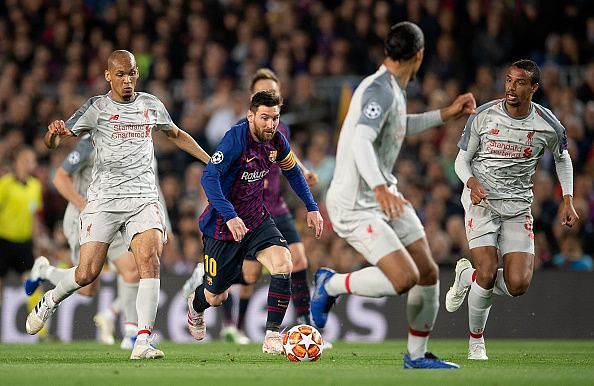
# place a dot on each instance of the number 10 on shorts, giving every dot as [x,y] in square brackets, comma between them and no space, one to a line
[210,265]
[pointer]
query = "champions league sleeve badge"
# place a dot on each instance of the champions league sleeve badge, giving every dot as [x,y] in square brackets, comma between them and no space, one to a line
[217,157]
[372,110]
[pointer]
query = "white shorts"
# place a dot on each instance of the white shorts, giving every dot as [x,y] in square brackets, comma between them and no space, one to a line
[71,226]
[485,227]
[102,221]
[372,234]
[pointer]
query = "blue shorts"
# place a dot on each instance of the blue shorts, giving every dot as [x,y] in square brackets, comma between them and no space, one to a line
[223,259]
[286,226]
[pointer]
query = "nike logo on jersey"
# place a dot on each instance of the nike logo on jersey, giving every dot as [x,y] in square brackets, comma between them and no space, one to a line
[248,160]
[283,240]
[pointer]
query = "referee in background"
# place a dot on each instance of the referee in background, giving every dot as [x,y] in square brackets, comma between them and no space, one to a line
[20,202]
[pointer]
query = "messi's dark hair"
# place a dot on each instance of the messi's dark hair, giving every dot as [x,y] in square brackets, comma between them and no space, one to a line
[268,98]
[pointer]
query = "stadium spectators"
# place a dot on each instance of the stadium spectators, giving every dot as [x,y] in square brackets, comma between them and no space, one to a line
[52,55]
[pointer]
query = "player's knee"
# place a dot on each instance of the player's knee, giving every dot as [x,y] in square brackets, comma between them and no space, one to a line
[517,287]
[429,275]
[486,277]
[282,264]
[216,300]
[250,278]
[85,275]
[405,282]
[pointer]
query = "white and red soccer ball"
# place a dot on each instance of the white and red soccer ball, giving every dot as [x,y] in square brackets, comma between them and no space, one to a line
[303,343]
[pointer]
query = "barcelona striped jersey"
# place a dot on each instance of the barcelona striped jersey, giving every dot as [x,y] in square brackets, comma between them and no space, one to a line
[233,180]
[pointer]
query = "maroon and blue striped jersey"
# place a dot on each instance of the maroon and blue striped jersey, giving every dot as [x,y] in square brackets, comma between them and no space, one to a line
[273,200]
[233,180]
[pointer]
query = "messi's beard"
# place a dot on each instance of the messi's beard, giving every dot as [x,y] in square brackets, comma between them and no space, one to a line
[261,135]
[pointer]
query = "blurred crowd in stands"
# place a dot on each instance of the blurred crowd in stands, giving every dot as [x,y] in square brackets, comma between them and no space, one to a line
[197,56]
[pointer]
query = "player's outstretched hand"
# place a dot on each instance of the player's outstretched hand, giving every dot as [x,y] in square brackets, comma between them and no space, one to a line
[237,228]
[310,177]
[57,127]
[464,104]
[316,222]
[392,205]
[568,214]
[477,191]
[55,131]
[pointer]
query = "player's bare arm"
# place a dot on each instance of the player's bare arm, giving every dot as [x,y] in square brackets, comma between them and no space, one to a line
[477,191]
[392,205]
[65,185]
[315,222]
[184,141]
[55,131]
[464,104]
[237,228]
[568,214]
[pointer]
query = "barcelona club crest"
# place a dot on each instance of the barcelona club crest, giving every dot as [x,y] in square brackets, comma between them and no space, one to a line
[272,155]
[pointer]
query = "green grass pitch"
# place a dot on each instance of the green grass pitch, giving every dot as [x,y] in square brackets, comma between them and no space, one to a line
[511,362]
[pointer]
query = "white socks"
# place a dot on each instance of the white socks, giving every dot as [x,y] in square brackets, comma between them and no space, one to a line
[370,282]
[127,295]
[52,274]
[65,287]
[479,305]
[147,302]
[421,309]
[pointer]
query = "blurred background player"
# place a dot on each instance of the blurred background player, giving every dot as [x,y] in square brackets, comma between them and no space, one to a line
[123,195]
[499,151]
[20,204]
[72,181]
[365,206]
[266,79]
[236,224]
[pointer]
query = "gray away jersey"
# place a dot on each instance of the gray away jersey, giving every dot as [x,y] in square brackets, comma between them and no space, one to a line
[79,164]
[505,150]
[121,135]
[370,140]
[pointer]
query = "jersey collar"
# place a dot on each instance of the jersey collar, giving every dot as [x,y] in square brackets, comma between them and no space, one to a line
[518,118]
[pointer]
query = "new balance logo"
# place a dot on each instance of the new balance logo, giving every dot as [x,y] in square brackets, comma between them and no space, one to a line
[114,117]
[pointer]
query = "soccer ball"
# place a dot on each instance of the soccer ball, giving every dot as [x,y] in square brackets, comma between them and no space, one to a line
[303,343]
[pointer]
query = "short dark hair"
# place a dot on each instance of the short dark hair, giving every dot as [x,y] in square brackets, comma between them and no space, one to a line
[268,98]
[531,67]
[404,40]
[263,73]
